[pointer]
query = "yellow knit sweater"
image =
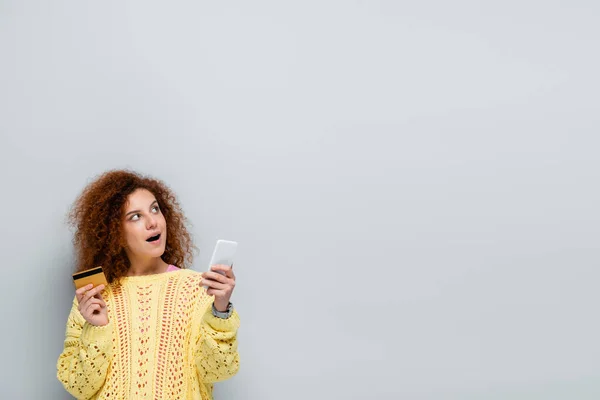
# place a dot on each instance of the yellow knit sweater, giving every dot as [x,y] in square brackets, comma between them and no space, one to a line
[162,342]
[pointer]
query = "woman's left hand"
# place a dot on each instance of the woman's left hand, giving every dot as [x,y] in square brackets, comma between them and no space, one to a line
[220,286]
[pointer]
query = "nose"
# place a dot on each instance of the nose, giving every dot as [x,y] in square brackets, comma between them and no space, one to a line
[151,222]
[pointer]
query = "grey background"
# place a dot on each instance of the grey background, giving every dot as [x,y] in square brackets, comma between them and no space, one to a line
[414,185]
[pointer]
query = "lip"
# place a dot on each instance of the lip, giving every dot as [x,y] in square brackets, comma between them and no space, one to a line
[153,234]
[156,242]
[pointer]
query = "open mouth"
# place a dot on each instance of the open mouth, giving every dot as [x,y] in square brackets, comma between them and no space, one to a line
[153,238]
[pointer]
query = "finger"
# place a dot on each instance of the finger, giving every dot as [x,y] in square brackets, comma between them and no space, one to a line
[99,296]
[79,293]
[84,299]
[215,292]
[85,304]
[96,309]
[84,289]
[91,308]
[214,284]
[226,269]
[215,276]
[94,291]
[94,300]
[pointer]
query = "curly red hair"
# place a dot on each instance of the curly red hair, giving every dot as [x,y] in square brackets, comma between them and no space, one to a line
[97,217]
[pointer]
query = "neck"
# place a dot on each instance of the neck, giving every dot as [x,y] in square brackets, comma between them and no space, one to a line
[148,266]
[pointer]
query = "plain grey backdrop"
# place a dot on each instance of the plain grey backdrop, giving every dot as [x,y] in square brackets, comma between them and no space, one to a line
[414,185]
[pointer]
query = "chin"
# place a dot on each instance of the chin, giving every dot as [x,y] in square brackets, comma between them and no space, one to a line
[160,253]
[157,253]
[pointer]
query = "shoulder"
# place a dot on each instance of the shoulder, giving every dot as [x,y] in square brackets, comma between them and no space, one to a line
[189,285]
[188,276]
[188,273]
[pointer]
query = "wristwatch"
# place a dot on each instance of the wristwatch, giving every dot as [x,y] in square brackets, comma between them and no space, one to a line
[222,314]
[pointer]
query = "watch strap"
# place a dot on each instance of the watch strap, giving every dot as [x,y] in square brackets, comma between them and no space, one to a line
[222,314]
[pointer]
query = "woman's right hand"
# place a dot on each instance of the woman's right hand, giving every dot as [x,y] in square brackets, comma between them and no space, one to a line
[91,304]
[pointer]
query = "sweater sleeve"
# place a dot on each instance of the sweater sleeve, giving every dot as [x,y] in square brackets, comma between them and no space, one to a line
[215,349]
[83,365]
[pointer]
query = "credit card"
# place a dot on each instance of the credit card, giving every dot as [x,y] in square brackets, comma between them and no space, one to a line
[95,276]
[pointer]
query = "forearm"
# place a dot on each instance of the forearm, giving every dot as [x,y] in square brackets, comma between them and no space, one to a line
[216,352]
[83,365]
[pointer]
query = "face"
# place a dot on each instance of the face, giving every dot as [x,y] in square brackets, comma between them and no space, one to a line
[144,226]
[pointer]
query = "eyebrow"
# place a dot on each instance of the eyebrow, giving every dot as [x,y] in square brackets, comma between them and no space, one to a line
[137,211]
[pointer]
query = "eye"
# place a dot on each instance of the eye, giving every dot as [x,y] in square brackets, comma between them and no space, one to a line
[155,209]
[134,217]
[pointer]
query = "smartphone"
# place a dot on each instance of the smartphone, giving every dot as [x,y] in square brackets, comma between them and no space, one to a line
[95,276]
[223,253]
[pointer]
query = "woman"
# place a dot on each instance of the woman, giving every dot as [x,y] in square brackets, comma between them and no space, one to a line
[154,332]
